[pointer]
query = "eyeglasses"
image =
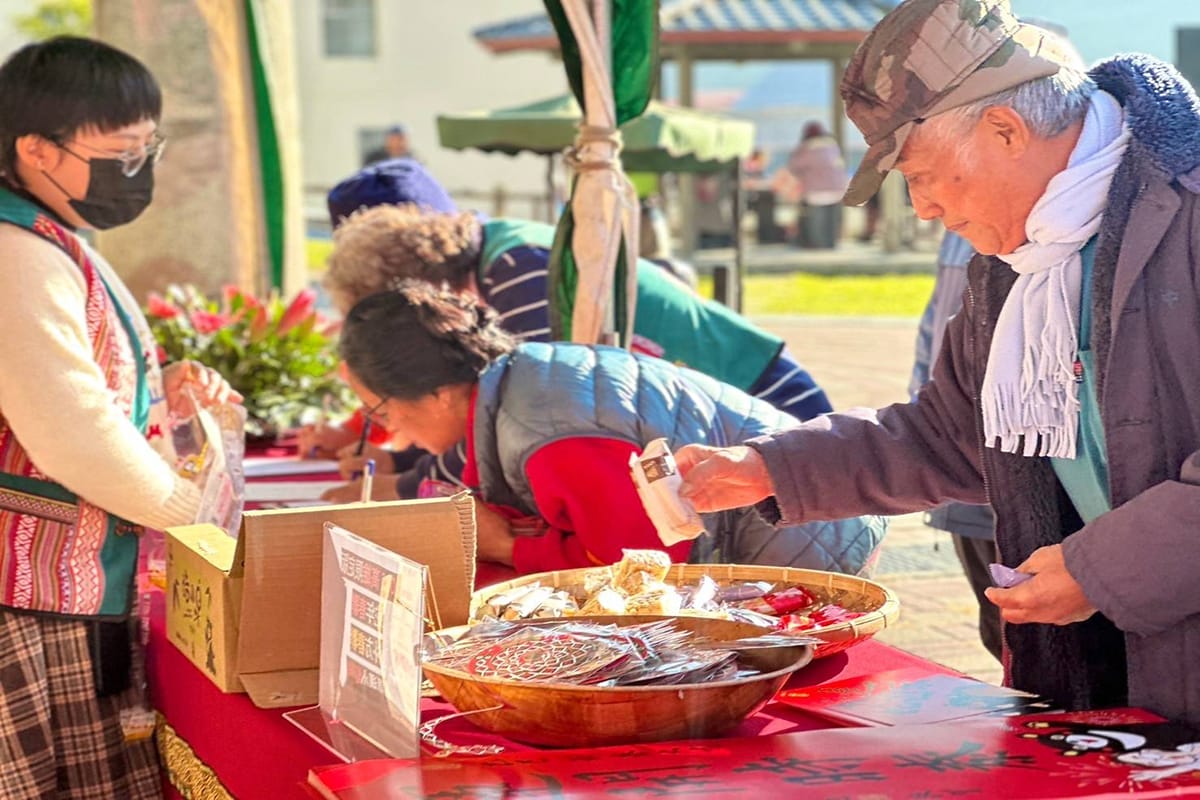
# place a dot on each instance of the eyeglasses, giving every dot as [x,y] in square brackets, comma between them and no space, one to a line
[133,159]
[373,416]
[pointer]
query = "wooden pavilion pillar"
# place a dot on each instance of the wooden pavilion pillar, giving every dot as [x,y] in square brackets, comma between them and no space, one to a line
[686,182]
[837,115]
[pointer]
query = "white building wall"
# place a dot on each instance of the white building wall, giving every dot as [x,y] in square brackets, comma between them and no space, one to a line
[10,40]
[426,63]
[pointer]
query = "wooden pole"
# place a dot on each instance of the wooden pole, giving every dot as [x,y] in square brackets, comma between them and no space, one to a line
[687,183]
[550,216]
[838,109]
[739,244]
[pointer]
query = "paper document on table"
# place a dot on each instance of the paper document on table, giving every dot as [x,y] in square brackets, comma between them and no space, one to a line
[262,492]
[268,467]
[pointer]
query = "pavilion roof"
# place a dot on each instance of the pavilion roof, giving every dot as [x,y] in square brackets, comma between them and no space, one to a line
[711,24]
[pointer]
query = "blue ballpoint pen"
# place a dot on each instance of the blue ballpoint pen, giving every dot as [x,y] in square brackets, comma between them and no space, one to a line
[368,479]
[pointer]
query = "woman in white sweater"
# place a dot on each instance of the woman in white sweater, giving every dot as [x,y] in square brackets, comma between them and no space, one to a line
[84,459]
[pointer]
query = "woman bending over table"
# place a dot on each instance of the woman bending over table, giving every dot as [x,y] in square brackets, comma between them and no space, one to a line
[549,431]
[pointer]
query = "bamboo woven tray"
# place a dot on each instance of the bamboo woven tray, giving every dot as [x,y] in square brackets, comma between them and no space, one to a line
[880,606]
[565,715]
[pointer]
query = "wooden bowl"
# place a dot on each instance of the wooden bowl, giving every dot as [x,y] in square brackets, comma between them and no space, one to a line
[879,605]
[566,715]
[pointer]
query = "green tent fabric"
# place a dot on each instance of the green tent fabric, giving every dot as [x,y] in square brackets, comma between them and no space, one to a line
[633,45]
[610,53]
[270,160]
[662,139]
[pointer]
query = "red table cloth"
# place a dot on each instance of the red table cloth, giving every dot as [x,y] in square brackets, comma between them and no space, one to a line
[257,753]
[223,739]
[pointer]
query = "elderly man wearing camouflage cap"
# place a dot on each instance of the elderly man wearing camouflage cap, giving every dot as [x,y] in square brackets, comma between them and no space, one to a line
[1067,392]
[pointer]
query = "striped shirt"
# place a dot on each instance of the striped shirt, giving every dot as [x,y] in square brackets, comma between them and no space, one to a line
[516,286]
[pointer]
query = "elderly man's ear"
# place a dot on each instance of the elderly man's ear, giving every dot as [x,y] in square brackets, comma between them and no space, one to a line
[1004,129]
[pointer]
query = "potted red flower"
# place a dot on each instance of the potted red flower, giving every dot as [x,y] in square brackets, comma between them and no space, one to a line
[280,356]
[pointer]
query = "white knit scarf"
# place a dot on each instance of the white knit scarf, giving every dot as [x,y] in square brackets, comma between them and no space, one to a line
[1029,389]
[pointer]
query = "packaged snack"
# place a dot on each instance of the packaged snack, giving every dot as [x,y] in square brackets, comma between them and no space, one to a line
[627,575]
[558,604]
[208,446]
[523,606]
[606,602]
[702,596]
[596,579]
[658,481]
[826,615]
[498,603]
[663,602]
[782,602]
[743,591]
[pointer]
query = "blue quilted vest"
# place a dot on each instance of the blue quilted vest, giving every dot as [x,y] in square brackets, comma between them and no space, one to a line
[541,393]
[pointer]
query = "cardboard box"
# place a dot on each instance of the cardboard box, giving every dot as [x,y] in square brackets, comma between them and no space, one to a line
[250,618]
[203,600]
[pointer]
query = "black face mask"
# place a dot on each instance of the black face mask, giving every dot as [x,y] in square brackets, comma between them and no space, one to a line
[112,199]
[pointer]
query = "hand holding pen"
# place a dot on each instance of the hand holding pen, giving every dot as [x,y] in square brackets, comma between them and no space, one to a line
[350,464]
[321,439]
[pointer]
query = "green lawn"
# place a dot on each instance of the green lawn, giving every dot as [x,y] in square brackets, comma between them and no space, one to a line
[833,295]
[316,251]
[792,293]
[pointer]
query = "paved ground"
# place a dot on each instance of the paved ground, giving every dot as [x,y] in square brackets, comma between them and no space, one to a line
[866,361]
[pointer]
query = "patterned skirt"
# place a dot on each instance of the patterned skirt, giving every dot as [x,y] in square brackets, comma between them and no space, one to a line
[57,738]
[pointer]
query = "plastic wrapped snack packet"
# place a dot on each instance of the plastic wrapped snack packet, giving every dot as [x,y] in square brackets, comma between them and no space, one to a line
[658,482]
[208,447]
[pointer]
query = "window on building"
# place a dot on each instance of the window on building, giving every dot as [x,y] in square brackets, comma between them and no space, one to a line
[349,28]
[370,143]
[1187,53]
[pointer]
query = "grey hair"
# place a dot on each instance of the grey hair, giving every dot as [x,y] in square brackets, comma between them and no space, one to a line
[1048,105]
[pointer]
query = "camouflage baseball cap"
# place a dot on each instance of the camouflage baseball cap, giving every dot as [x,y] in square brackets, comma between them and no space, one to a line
[929,56]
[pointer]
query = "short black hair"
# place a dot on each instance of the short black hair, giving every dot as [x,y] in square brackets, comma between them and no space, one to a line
[56,87]
[416,338]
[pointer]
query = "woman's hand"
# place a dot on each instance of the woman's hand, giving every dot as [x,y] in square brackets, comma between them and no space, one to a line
[202,383]
[493,535]
[350,463]
[324,441]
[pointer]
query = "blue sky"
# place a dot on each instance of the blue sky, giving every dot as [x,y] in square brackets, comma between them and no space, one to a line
[1100,28]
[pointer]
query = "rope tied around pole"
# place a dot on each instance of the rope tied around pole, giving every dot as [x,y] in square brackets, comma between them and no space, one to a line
[594,134]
